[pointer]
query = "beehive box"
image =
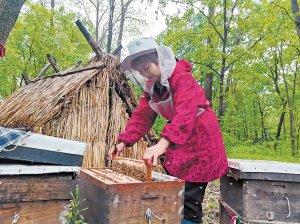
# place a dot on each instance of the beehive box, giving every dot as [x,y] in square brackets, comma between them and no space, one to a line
[35,194]
[261,192]
[114,198]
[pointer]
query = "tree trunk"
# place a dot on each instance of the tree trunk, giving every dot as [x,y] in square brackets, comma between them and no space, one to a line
[110,25]
[221,111]
[52,4]
[121,29]
[9,11]
[296,12]
[280,124]
[208,86]
[290,100]
[52,7]
[97,21]
[209,75]
[281,119]
[262,122]
[298,138]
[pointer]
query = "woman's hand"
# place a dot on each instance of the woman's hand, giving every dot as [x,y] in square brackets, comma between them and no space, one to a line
[152,153]
[116,150]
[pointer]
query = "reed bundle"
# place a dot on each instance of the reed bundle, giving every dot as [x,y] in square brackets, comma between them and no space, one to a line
[81,106]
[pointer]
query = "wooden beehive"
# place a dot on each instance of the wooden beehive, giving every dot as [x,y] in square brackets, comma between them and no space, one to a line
[35,194]
[261,192]
[114,198]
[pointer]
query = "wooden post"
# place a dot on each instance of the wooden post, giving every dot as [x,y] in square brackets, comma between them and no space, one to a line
[130,107]
[117,50]
[52,61]
[25,78]
[43,71]
[89,39]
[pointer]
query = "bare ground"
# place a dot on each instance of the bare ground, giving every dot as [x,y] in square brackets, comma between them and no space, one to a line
[211,203]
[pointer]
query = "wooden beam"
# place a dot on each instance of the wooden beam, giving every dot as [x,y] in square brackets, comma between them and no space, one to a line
[36,187]
[117,50]
[43,71]
[89,39]
[130,108]
[25,78]
[101,66]
[46,212]
[52,61]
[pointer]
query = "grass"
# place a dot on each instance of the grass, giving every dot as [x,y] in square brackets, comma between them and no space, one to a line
[261,152]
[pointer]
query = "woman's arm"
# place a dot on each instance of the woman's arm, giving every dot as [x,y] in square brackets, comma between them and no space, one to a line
[139,124]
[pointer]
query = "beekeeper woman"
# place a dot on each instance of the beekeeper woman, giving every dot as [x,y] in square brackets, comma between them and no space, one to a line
[191,140]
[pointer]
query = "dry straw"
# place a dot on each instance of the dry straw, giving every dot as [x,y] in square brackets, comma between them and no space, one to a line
[82,106]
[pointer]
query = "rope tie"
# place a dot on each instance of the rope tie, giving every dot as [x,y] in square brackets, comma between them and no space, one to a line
[289,207]
[150,216]
[234,217]
[18,143]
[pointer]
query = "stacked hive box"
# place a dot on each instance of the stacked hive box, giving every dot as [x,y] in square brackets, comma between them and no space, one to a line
[261,192]
[114,198]
[35,194]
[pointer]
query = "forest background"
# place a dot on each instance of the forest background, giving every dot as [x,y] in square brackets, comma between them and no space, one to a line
[245,54]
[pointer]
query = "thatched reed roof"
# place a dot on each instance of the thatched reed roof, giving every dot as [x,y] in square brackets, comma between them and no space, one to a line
[80,105]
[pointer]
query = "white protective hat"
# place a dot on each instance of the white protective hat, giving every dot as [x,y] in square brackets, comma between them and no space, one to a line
[167,64]
[143,46]
[138,48]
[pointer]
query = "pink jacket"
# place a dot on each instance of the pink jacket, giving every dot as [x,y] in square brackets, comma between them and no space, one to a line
[197,152]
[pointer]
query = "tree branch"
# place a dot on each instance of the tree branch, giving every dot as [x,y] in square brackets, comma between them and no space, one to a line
[238,58]
[101,66]
[285,10]
[207,65]
[201,11]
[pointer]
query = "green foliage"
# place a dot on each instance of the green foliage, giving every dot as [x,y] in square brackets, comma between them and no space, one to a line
[159,125]
[74,211]
[34,36]
[262,48]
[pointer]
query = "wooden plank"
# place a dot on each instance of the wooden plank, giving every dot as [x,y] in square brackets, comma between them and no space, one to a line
[106,203]
[46,149]
[270,170]
[96,200]
[41,212]
[50,143]
[281,198]
[163,202]
[36,188]
[89,39]
[18,169]
[35,155]
[232,193]
[264,176]
[224,216]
